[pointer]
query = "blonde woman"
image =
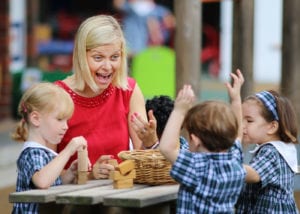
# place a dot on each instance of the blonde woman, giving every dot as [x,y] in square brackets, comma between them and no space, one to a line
[103,94]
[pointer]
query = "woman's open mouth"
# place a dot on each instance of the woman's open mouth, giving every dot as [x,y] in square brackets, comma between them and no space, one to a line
[103,78]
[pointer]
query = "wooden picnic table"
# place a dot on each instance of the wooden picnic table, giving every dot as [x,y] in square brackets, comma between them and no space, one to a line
[99,196]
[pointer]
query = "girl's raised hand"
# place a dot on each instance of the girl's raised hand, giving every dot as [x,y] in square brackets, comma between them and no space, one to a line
[234,89]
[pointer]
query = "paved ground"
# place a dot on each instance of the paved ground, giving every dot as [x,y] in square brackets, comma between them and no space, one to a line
[8,155]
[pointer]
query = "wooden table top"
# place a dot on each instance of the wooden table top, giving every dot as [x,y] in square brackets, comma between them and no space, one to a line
[100,192]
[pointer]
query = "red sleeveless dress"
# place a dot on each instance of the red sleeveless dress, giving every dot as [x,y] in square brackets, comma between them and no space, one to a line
[102,120]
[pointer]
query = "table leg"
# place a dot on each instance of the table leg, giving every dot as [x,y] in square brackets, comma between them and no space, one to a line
[163,208]
[50,208]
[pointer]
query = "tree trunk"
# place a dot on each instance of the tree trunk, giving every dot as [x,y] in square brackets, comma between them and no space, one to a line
[32,19]
[242,50]
[188,44]
[5,78]
[290,73]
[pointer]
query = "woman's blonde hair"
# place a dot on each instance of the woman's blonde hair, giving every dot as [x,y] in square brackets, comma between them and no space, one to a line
[44,98]
[93,32]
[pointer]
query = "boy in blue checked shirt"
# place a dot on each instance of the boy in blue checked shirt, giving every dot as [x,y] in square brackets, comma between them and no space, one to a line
[210,173]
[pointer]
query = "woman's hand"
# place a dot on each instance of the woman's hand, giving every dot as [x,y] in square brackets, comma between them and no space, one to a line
[102,168]
[145,130]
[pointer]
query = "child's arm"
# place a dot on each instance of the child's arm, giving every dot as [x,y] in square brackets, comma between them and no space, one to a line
[234,92]
[47,175]
[169,140]
[251,175]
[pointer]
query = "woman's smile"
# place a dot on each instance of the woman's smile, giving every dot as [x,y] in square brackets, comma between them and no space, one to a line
[104,78]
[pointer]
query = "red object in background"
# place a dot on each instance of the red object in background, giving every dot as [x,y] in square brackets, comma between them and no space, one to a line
[67,25]
[61,62]
[210,53]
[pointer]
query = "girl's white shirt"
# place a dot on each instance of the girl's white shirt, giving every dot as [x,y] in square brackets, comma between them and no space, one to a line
[32,144]
[287,150]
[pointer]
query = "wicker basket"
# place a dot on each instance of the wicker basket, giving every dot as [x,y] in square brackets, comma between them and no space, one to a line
[151,167]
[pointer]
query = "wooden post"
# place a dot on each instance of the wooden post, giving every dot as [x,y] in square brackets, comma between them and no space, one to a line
[82,166]
[242,50]
[5,76]
[290,74]
[32,19]
[188,43]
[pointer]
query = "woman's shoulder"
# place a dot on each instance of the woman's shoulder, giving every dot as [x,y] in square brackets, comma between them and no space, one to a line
[131,82]
[65,83]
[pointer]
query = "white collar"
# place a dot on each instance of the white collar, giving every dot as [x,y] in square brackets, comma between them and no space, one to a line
[32,144]
[287,150]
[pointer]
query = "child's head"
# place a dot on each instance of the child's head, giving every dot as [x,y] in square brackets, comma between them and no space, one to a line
[43,98]
[273,109]
[162,107]
[98,31]
[214,123]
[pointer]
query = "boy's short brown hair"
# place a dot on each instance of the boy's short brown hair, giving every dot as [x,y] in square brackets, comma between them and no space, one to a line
[214,122]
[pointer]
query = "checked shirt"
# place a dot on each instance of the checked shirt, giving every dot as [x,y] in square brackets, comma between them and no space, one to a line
[274,194]
[209,182]
[31,160]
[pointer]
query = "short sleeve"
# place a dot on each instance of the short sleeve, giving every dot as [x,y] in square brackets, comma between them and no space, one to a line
[183,169]
[237,151]
[265,164]
[30,161]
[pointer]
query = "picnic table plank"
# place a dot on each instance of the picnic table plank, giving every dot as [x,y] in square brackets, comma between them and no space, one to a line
[139,198]
[91,196]
[49,195]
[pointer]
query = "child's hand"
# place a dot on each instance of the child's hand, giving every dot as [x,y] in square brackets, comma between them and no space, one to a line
[235,88]
[185,99]
[234,92]
[71,173]
[76,143]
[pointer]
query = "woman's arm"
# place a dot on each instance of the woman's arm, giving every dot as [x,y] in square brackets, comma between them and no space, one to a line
[137,107]
[146,130]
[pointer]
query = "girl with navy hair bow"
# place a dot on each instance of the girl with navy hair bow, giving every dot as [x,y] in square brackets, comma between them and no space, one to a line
[269,121]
